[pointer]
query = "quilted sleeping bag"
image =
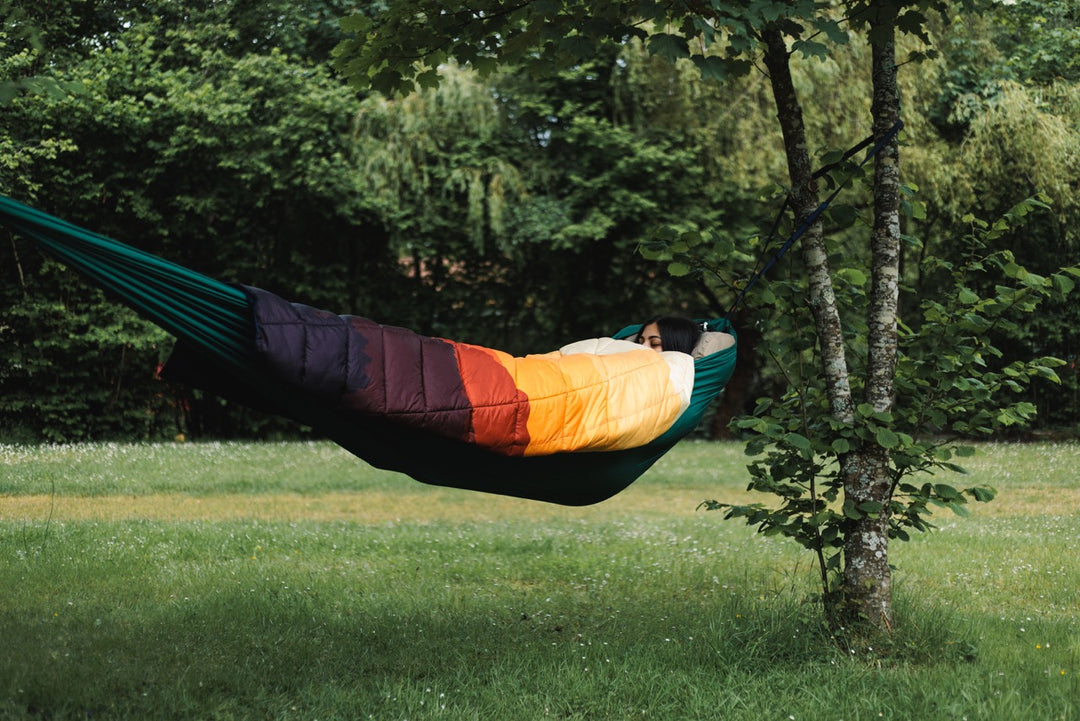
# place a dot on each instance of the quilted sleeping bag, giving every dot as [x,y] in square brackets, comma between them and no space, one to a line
[599,395]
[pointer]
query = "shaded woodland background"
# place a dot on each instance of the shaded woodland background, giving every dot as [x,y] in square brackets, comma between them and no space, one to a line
[508,211]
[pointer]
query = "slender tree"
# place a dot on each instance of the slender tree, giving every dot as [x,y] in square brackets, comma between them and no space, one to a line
[855,427]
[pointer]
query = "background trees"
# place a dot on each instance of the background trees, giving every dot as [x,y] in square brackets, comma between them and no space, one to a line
[188,132]
[999,123]
[502,212]
[503,209]
[213,133]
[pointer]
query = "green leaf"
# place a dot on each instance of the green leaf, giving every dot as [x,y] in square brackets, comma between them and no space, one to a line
[485,65]
[871,508]
[886,438]
[914,209]
[692,238]
[358,24]
[754,424]
[669,46]
[811,49]
[428,79]
[712,67]
[852,275]
[844,216]
[850,510]
[834,30]
[678,269]
[652,251]
[798,441]
[947,492]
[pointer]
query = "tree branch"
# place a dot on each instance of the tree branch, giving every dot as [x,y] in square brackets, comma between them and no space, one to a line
[804,201]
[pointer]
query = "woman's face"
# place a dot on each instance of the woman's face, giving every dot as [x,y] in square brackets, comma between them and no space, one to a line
[650,337]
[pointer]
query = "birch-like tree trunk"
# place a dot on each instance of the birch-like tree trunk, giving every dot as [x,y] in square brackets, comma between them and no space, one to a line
[867,577]
[867,590]
[804,201]
[821,297]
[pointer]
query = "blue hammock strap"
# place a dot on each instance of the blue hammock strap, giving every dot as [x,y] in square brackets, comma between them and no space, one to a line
[813,217]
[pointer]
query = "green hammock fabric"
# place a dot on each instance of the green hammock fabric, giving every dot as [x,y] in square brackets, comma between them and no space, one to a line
[212,321]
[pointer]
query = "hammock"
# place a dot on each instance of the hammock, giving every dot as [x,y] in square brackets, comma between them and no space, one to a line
[216,350]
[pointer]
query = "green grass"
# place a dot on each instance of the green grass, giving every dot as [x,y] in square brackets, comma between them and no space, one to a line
[290,581]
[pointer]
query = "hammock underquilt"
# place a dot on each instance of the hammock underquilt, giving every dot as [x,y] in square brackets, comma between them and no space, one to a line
[223,347]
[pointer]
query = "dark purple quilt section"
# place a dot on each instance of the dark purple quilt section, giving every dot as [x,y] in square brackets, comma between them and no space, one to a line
[362,366]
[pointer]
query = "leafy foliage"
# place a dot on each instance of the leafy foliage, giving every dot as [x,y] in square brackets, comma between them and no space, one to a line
[951,386]
[1041,39]
[110,392]
[182,145]
[1030,42]
[1000,135]
[502,212]
[536,208]
[401,48]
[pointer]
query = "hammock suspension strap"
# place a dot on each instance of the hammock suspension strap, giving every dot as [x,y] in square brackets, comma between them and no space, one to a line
[812,218]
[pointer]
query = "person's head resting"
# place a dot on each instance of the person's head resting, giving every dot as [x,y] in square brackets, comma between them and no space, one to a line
[665,332]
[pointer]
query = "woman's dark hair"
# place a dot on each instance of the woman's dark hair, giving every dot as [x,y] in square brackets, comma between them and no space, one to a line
[676,333]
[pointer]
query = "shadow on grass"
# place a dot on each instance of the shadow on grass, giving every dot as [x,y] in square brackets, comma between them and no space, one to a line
[271,651]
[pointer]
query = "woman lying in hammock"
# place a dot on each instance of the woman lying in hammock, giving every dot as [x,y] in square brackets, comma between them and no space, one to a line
[600,394]
[665,332]
[453,414]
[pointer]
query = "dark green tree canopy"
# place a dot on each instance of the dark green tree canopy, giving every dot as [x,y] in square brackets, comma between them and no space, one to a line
[396,50]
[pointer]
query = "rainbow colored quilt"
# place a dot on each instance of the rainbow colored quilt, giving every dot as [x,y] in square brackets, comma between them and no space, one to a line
[596,395]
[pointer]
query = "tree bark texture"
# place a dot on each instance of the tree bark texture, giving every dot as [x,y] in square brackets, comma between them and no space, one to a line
[867,587]
[867,577]
[804,201]
[821,297]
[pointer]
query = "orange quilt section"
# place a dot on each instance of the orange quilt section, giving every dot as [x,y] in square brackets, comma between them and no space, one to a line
[585,402]
[500,410]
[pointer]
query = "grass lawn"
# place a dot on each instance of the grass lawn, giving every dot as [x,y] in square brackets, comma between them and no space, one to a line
[291,581]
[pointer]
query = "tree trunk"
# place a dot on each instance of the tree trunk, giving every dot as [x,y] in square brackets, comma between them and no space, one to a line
[804,201]
[821,296]
[867,577]
[737,400]
[866,595]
